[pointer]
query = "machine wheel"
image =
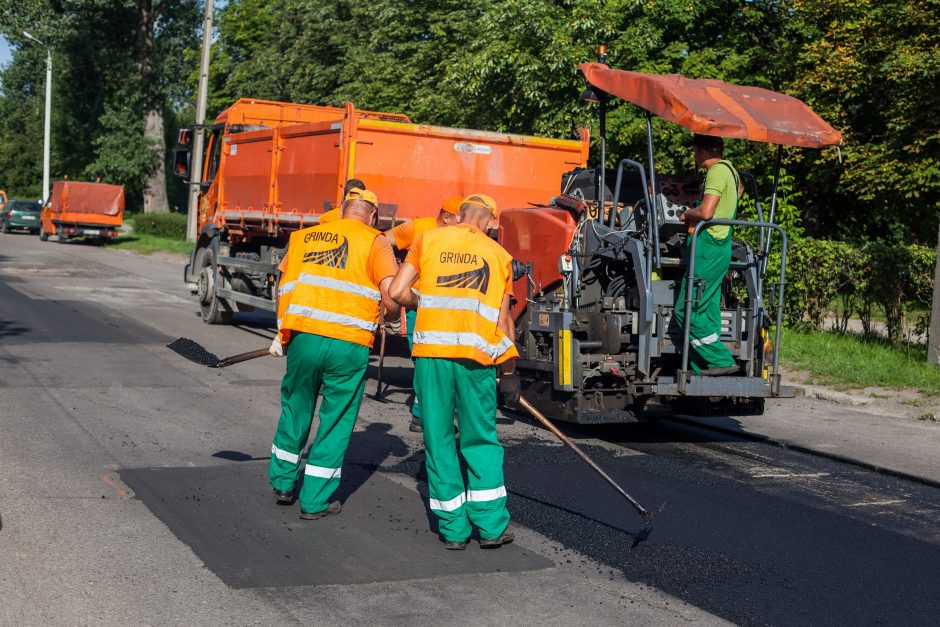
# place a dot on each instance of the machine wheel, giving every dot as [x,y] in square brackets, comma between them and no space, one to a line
[213,309]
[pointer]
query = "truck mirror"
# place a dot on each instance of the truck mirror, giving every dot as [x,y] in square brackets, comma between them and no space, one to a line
[184,137]
[181,164]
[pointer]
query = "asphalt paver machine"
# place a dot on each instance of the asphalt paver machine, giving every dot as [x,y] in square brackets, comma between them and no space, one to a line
[598,266]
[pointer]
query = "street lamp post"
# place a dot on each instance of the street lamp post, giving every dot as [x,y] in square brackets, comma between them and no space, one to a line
[47,138]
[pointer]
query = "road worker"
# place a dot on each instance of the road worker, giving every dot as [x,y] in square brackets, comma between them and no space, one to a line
[402,237]
[333,280]
[336,213]
[463,333]
[709,356]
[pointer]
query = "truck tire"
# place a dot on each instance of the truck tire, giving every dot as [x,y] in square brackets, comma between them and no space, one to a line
[213,309]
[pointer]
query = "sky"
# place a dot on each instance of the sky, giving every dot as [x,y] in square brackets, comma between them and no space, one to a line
[4,51]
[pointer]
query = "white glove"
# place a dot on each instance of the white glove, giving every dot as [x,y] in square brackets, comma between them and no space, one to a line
[276,349]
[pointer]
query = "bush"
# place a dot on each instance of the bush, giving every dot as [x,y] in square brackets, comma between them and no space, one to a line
[892,278]
[169,225]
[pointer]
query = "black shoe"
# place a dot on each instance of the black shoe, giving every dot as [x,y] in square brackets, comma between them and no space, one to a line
[505,538]
[719,372]
[283,497]
[332,509]
[415,426]
[456,545]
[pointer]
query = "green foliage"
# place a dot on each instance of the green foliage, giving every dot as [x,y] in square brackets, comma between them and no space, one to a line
[895,279]
[165,225]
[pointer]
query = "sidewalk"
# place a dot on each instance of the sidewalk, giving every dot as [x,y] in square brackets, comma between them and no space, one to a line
[877,433]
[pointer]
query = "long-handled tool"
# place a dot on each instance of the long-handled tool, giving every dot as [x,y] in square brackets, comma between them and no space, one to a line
[378,377]
[648,516]
[193,351]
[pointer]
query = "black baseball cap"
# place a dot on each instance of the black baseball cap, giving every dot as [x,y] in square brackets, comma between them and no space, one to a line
[704,141]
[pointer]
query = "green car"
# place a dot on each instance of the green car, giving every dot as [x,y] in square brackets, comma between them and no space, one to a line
[20,214]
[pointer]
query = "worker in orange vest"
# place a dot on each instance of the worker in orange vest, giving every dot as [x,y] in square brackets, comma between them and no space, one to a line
[333,280]
[402,237]
[336,213]
[463,332]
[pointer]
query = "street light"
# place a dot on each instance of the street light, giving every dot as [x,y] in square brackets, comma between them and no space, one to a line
[46,142]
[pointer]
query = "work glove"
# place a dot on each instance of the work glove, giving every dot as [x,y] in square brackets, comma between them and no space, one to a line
[276,349]
[508,389]
[393,326]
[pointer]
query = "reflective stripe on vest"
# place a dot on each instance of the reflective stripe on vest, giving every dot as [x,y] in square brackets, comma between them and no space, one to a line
[330,316]
[337,284]
[457,338]
[458,303]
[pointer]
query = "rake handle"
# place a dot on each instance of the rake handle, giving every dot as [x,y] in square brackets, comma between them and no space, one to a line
[584,456]
[237,359]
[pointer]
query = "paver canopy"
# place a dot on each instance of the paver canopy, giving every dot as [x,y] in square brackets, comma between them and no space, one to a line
[713,107]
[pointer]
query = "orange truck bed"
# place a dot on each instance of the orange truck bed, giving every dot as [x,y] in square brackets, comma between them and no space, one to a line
[286,175]
[80,209]
[271,168]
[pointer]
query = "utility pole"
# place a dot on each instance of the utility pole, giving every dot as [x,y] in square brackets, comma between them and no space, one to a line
[195,170]
[47,138]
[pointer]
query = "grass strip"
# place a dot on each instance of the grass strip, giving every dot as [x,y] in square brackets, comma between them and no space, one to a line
[851,362]
[147,244]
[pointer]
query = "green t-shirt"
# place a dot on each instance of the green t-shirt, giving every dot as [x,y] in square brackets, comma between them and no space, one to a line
[722,181]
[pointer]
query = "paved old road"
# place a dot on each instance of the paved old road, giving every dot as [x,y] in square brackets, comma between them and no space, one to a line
[132,490]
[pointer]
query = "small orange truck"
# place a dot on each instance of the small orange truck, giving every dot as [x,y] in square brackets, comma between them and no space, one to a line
[79,209]
[271,168]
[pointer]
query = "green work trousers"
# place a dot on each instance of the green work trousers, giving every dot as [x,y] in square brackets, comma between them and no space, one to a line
[712,258]
[445,385]
[410,316]
[336,369]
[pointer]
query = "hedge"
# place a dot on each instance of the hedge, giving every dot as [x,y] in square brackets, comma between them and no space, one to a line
[169,225]
[894,279]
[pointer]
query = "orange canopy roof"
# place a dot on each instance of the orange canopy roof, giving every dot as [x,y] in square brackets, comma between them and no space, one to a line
[713,107]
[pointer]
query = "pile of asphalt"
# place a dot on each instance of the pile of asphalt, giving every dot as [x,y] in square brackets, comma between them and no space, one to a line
[193,351]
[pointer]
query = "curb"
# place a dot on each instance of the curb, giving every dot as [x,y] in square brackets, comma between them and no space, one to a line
[824,394]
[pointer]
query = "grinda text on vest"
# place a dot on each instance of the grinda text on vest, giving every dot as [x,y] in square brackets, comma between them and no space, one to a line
[321,236]
[450,257]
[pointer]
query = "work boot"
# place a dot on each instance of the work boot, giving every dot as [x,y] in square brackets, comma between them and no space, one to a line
[283,497]
[332,509]
[505,537]
[455,545]
[720,372]
[415,426]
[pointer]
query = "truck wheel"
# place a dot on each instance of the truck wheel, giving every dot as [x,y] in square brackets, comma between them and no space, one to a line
[213,309]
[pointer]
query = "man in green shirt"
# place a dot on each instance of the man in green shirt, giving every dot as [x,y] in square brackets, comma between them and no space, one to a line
[709,357]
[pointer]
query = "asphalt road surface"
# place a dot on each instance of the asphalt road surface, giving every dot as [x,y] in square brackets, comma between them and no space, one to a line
[133,489]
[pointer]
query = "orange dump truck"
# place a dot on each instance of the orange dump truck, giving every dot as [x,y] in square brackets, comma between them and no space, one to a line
[271,168]
[78,209]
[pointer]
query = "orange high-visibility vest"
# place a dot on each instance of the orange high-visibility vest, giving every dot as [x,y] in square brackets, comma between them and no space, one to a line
[406,234]
[326,288]
[462,280]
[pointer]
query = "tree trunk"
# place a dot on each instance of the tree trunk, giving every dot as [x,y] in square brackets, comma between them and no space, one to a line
[155,200]
[933,334]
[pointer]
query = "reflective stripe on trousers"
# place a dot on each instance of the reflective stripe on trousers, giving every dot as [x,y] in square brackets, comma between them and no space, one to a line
[470,496]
